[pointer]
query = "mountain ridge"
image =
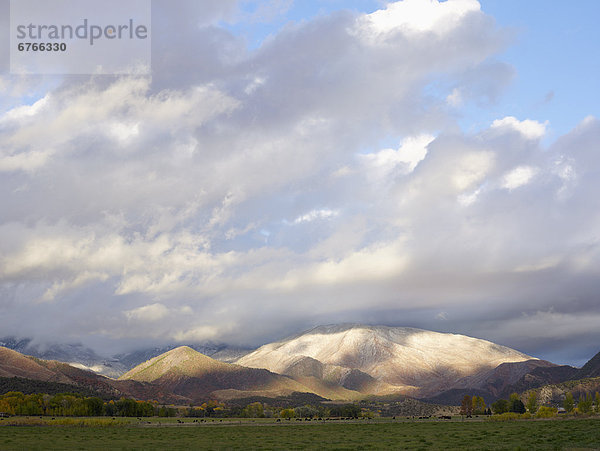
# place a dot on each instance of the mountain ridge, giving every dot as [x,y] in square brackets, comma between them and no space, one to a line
[189,373]
[115,365]
[341,362]
[410,361]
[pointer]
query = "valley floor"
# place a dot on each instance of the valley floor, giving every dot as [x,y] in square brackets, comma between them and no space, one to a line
[145,434]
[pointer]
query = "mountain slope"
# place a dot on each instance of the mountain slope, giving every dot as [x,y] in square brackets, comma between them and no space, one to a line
[591,368]
[189,373]
[181,361]
[220,352]
[553,379]
[85,358]
[15,364]
[74,354]
[496,381]
[410,361]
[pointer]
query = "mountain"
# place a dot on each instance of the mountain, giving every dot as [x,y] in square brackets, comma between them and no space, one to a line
[403,360]
[72,353]
[114,366]
[176,363]
[591,368]
[16,365]
[496,383]
[541,376]
[339,362]
[497,380]
[554,394]
[552,383]
[188,373]
[220,352]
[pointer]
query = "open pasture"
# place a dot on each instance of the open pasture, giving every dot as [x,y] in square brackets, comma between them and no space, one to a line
[269,434]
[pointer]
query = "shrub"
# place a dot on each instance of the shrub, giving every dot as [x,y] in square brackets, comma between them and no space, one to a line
[506,416]
[546,412]
[510,416]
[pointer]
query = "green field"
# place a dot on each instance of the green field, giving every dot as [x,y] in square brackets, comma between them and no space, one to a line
[267,434]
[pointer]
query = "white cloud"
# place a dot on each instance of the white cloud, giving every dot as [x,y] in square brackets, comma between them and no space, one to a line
[313,215]
[528,128]
[384,162]
[519,177]
[147,313]
[24,112]
[467,199]
[471,169]
[420,16]
[24,161]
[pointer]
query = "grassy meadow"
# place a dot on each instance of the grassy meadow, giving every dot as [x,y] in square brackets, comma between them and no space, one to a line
[102,433]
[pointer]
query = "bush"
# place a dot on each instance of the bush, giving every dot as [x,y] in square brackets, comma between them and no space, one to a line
[506,416]
[510,416]
[546,412]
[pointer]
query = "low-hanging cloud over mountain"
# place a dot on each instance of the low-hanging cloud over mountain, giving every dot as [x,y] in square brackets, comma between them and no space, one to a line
[240,195]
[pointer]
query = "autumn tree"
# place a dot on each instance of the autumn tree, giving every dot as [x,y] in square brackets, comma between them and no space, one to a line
[532,402]
[478,405]
[466,406]
[569,403]
[585,403]
[597,407]
[254,410]
[287,413]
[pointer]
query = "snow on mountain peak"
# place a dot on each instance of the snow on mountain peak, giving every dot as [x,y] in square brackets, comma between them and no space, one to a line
[401,356]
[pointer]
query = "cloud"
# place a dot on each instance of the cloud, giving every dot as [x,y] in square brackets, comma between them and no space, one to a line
[528,128]
[420,16]
[147,313]
[314,215]
[412,151]
[239,195]
[518,177]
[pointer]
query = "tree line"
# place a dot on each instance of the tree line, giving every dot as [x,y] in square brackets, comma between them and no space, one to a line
[73,404]
[475,405]
[587,403]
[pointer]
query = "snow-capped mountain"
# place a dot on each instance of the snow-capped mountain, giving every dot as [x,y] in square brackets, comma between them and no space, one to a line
[406,360]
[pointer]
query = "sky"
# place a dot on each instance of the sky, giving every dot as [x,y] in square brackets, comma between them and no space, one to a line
[290,163]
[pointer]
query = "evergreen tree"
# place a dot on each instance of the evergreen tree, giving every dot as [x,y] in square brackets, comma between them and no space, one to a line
[500,406]
[515,404]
